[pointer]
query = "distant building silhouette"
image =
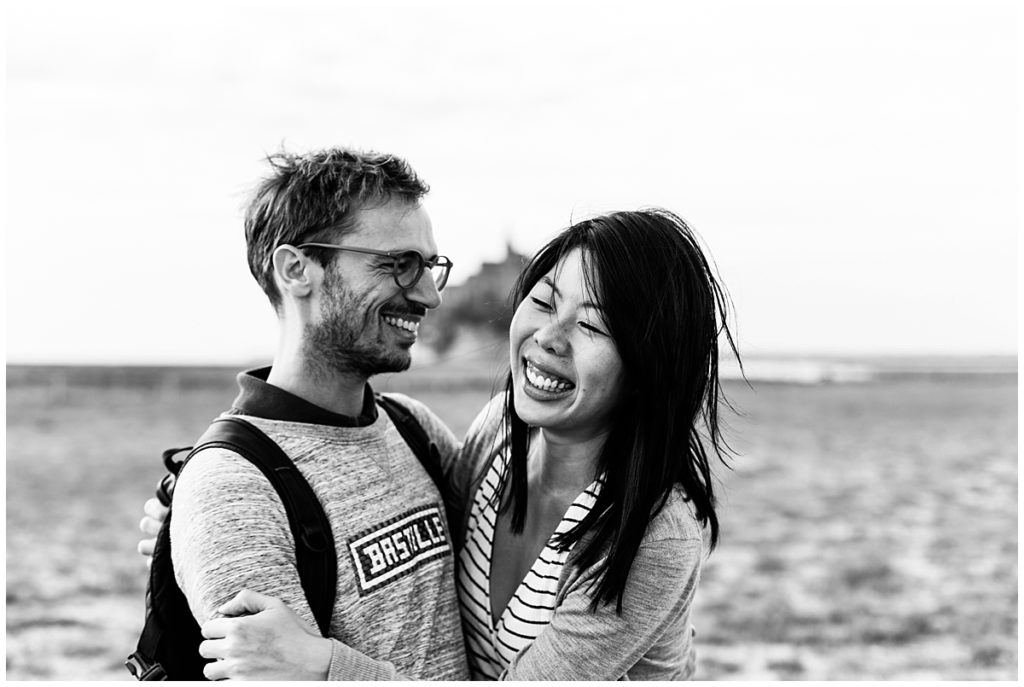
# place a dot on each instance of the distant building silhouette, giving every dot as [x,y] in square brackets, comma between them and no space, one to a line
[481,304]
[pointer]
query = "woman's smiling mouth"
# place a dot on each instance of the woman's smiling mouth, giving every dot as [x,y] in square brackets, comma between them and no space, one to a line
[545,380]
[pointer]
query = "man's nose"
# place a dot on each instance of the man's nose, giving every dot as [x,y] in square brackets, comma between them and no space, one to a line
[425,292]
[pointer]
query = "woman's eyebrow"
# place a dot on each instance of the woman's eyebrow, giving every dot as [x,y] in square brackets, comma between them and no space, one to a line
[585,304]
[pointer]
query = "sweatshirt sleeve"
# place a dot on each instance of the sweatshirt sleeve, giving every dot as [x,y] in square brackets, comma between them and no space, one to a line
[229,532]
[582,645]
[347,664]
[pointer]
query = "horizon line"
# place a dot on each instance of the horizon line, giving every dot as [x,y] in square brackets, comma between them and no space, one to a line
[767,355]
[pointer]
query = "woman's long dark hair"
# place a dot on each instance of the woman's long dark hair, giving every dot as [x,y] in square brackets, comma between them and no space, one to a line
[665,312]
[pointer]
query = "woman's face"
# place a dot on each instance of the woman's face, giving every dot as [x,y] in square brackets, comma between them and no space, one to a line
[566,371]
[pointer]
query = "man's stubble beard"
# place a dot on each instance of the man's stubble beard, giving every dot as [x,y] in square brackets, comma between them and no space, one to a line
[343,341]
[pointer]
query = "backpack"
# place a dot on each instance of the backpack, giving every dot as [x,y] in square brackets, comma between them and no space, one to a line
[168,647]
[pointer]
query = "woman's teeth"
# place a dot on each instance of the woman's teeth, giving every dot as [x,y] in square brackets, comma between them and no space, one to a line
[409,326]
[544,382]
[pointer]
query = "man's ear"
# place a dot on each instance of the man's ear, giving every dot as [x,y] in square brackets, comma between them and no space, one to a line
[294,272]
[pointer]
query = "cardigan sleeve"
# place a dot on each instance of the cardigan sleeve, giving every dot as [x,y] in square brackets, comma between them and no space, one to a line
[580,644]
[478,448]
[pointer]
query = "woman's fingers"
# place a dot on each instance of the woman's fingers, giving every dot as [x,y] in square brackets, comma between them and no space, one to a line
[213,648]
[217,670]
[149,526]
[146,546]
[217,628]
[156,510]
[248,602]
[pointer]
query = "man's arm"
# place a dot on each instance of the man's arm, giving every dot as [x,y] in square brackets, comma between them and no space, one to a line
[229,532]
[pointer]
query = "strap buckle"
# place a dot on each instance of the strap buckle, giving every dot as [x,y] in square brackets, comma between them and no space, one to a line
[142,668]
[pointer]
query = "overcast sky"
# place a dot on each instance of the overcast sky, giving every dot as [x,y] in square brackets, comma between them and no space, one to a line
[852,166]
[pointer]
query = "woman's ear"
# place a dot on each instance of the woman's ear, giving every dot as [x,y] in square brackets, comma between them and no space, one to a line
[294,273]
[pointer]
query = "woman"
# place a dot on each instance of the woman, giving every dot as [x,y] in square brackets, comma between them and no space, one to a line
[613,363]
[588,482]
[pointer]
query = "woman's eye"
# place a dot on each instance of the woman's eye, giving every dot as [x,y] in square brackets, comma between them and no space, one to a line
[592,328]
[540,304]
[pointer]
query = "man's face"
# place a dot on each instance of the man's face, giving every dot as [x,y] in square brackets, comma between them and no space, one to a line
[367,323]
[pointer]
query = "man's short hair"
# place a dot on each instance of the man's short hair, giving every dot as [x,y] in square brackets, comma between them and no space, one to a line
[316,197]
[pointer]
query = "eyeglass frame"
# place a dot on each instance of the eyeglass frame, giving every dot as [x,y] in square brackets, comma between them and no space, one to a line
[424,263]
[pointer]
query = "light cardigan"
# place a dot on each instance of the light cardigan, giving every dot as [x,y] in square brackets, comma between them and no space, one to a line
[651,640]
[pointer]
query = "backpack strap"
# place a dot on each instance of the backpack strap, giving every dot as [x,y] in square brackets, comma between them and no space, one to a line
[427,453]
[315,555]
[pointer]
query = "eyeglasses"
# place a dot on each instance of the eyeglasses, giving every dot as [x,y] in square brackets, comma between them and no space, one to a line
[407,266]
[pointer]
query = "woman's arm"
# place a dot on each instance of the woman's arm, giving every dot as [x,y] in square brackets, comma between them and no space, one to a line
[582,645]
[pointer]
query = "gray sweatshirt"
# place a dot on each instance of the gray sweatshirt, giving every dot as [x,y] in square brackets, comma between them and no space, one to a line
[395,598]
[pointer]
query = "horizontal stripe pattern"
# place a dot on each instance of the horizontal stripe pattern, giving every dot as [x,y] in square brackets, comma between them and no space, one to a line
[492,647]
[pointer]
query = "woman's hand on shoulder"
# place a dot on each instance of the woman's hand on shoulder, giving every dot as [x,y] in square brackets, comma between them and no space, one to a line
[154,515]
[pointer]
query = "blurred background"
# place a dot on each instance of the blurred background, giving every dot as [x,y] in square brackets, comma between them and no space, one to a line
[851,167]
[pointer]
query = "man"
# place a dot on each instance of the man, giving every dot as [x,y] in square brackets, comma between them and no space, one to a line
[341,245]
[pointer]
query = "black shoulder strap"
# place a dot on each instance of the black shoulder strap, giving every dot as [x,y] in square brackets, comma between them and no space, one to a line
[315,554]
[414,434]
[426,451]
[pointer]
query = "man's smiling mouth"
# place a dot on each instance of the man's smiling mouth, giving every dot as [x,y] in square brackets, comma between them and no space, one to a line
[409,325]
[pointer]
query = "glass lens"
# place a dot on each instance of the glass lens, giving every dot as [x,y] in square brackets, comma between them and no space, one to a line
[440,274]
[408,268]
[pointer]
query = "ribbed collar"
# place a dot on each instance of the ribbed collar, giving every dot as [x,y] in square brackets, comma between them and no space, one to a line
[259,398]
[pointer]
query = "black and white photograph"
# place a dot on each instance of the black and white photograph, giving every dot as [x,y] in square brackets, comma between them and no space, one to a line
[529,341]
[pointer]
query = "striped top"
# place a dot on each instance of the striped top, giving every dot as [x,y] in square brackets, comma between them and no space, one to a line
[491,647]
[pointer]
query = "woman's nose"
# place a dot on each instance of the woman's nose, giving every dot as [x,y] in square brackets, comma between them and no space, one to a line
[551,337]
